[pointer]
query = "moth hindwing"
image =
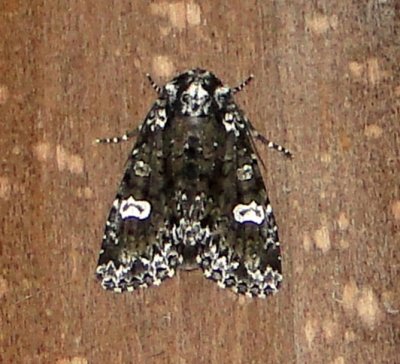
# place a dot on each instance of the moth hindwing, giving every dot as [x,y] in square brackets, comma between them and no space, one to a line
[192,195]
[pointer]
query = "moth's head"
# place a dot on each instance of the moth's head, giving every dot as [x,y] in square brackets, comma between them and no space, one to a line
[197,93]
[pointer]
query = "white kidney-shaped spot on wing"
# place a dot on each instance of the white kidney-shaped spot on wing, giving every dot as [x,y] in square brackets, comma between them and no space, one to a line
[249,213]
[137,209]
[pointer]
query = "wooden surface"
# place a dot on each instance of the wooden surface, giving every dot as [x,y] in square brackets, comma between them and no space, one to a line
[327,87]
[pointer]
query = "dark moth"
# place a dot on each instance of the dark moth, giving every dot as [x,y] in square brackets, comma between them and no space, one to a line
[192,196]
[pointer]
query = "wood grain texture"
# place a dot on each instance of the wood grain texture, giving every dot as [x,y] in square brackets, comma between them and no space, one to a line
[327,87]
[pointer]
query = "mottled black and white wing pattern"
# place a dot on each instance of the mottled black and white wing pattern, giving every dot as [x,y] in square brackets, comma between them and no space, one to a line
[192,196]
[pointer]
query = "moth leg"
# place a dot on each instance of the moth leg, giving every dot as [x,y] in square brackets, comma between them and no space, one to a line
[153,84]
[118,139]
[253,132]
[270,144]
[286,152]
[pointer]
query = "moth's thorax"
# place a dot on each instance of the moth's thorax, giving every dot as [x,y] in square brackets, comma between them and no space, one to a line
[196,93]
[195,100]
[195,123]
[194,154]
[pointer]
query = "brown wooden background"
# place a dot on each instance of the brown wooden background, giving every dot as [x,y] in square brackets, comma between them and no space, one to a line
[327,87]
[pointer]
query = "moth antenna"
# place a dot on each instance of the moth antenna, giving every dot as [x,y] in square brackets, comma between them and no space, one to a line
[242,85]
[153,84]
[254,134]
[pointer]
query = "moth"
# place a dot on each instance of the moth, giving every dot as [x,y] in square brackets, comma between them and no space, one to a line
[192,195]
